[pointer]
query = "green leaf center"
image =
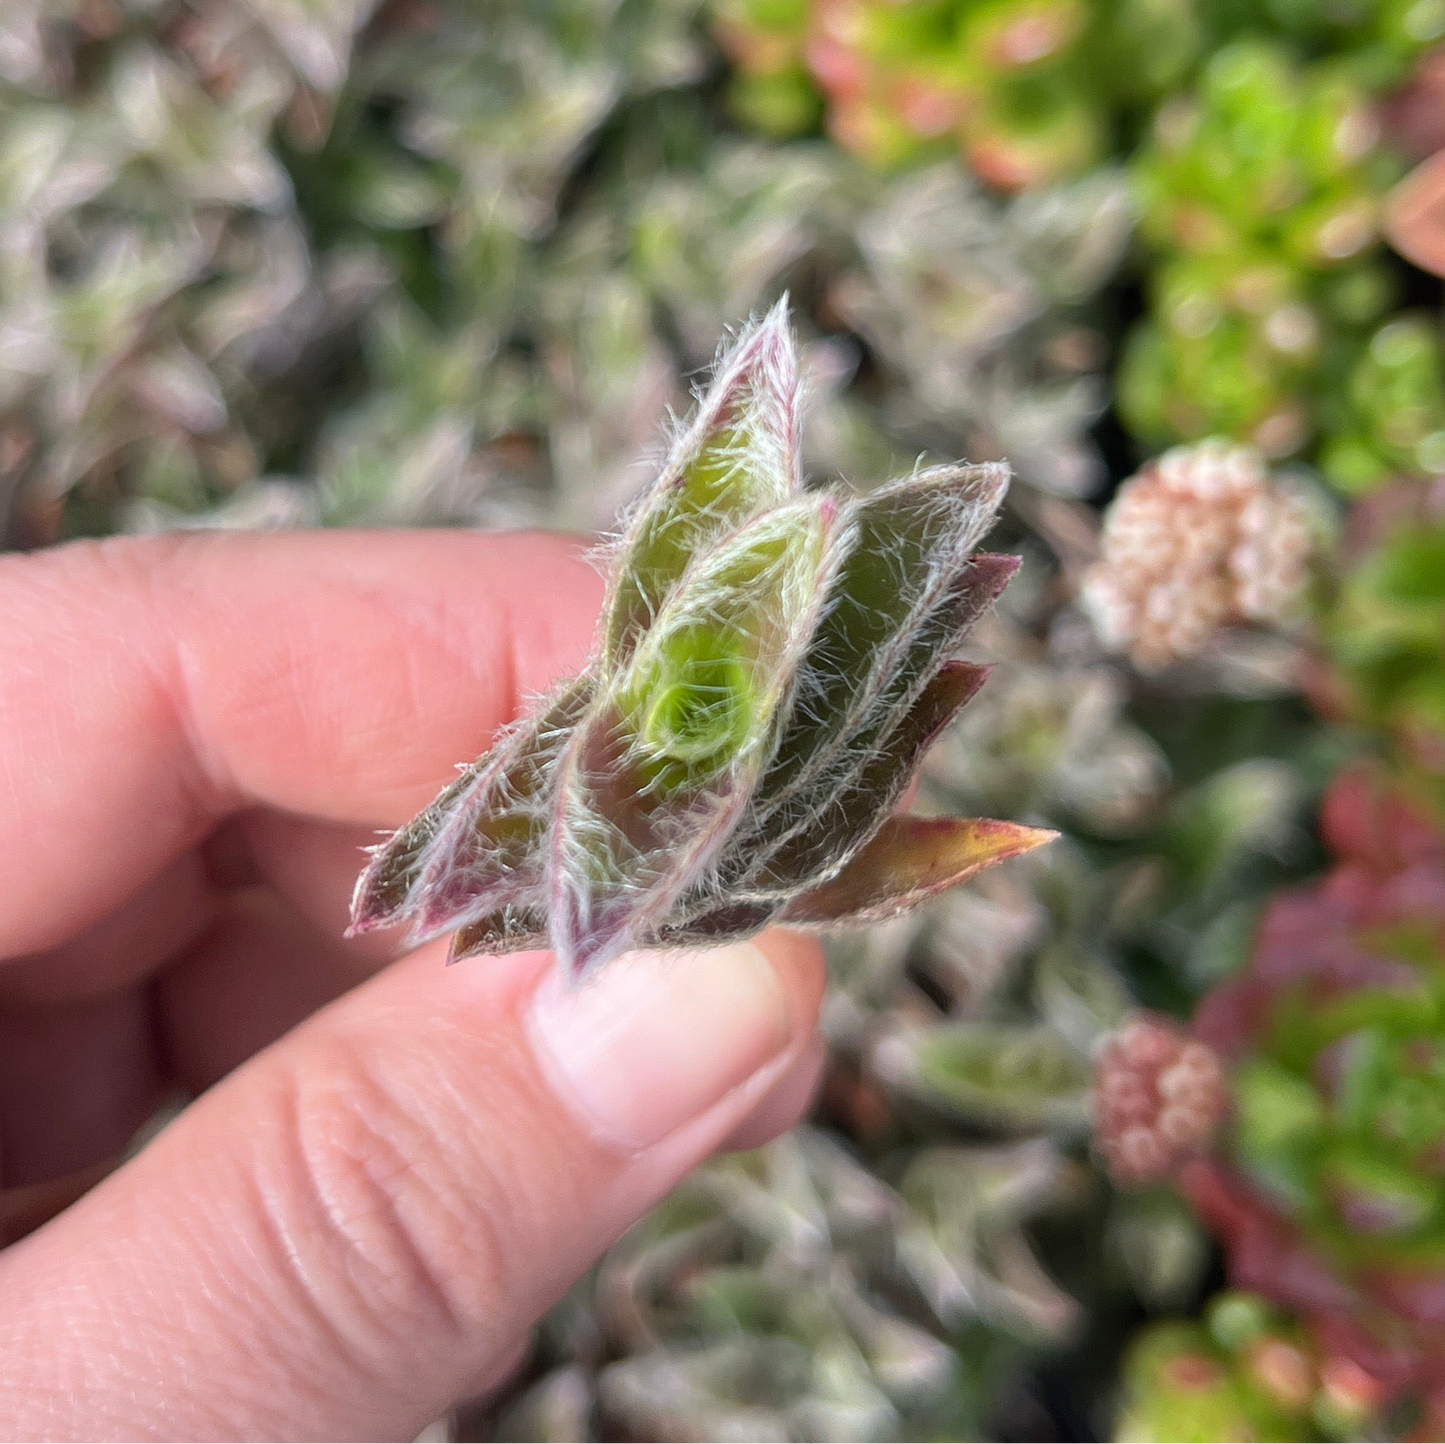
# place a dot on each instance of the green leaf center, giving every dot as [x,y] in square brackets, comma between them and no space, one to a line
[699,704]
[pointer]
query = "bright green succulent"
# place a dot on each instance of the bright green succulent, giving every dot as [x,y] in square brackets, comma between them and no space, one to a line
[1246,1372]
[1390,420]
[1377,39]
[771,666]
[1385,641]
[1261,192]
[1232,347]
[1027,90]
[1264,152]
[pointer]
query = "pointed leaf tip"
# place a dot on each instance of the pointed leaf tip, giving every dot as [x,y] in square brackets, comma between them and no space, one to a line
[991,572]
[909,861]
[738,458]
[986,483]
[381,897]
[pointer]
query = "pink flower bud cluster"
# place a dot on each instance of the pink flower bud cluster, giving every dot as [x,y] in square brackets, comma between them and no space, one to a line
[1201,540]
[1159,1098]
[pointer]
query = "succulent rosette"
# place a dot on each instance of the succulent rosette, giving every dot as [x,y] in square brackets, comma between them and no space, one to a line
[1330,1190]
[1385,635]
[1391,420]
[1244,1372]
[771,665]
[1260,192]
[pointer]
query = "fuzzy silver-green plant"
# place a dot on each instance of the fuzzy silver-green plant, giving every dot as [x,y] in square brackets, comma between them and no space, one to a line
[793,1293]
[771,665]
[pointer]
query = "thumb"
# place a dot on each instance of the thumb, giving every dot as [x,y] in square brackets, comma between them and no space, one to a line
[360,1225]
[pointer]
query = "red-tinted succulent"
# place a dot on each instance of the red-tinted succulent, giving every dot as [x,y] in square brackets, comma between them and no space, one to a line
[1329,1190]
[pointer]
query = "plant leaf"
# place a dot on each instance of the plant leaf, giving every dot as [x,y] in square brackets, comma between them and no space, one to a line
[513,928]
[478,845]
[902,600]
[910,860]
[718,924]
[844,818]
[1010,1075]
[909,544]
[737,459]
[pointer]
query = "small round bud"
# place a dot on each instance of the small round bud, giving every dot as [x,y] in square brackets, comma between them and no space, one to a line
[1159,1097]
[1202,539]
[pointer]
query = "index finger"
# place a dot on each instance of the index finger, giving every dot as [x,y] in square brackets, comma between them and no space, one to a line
[148,687]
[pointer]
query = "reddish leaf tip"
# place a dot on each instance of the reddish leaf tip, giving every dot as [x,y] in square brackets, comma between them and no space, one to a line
[911,860]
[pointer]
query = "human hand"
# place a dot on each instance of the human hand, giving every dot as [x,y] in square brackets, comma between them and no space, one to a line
[383,1182]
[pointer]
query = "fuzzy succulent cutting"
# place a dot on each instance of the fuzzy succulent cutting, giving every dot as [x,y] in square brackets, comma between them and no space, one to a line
[771,665]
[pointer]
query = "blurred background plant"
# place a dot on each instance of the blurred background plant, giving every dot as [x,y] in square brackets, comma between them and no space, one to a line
[1259,194]
[1245,1371]
[273,263]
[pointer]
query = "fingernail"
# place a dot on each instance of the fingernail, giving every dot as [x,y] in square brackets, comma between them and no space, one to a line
[657,1038]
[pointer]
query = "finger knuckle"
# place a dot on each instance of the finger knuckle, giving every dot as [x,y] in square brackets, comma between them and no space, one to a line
[396,1243]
